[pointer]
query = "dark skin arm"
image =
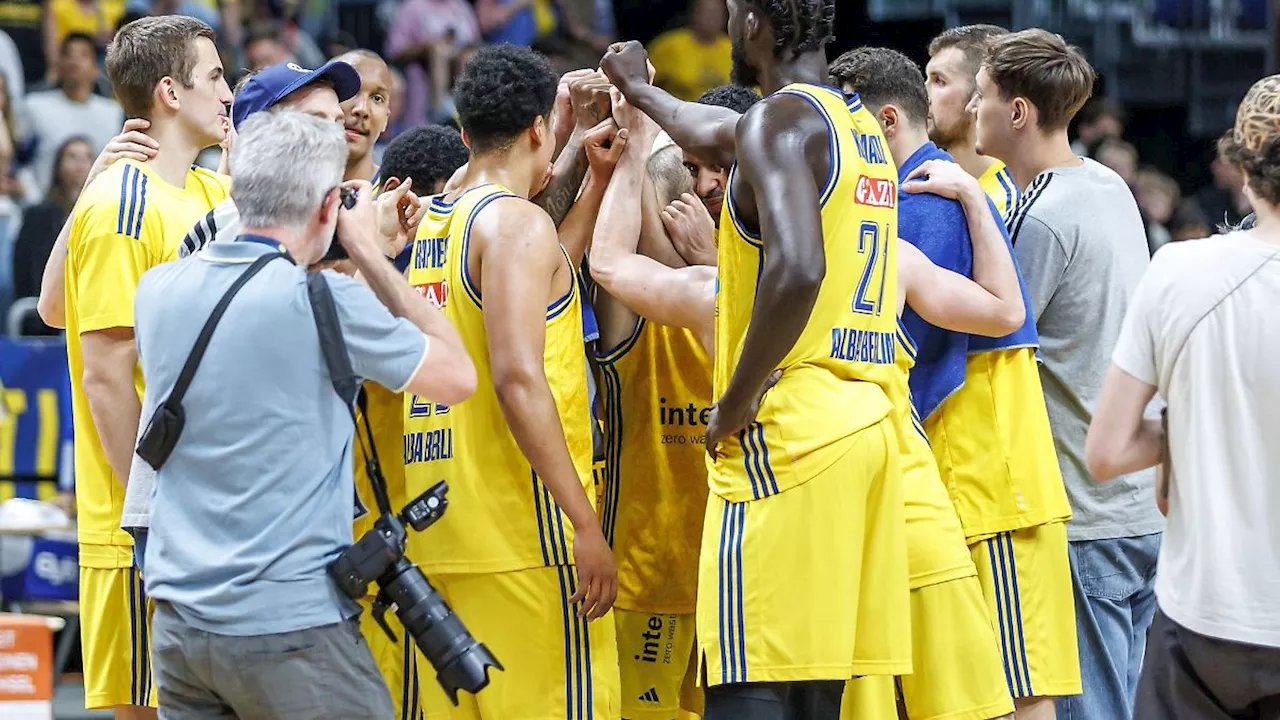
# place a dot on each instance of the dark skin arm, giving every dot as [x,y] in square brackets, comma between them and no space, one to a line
[782,151]
[704,130]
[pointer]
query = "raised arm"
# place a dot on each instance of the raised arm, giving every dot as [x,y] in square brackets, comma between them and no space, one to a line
[603,145]
[682,297]
[777,142]
[704,130]
[519,261]
[590,97]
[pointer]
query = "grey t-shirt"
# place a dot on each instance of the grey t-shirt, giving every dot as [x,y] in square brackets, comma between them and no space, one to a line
[1082,249]
[255,501]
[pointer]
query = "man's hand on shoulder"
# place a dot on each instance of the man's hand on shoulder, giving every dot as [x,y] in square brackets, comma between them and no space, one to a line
[942,177]
[131,144]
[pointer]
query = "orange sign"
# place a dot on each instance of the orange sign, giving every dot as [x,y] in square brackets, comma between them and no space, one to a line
[26,659]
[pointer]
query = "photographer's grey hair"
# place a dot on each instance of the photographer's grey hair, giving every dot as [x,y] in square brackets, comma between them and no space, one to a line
[283,164]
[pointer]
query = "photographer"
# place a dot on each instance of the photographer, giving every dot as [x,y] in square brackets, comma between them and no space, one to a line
[254,502]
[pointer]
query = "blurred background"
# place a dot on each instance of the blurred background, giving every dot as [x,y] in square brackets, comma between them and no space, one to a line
[1170,75]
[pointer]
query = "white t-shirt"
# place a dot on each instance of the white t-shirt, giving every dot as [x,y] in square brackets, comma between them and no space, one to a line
[1204,328]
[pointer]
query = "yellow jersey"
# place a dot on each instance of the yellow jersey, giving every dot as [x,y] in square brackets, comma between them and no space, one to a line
[386,420]
[998,184]
[656,393]
[501,517]
[686,67]
[835,378]
[127,221]
[994,447]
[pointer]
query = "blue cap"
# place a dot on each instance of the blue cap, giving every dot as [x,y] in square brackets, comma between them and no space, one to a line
[273,84]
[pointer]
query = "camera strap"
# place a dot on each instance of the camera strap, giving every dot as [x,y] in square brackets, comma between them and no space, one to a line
[165,427]
[345,381]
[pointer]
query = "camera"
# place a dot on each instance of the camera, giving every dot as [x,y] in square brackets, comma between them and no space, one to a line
[460,661]
[336,250]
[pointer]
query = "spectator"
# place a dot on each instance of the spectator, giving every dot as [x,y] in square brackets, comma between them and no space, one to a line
[508,21]
[17,184]
[1224,202]
[1080,269]
[1189,222]
[96,19]
[23,22]
[694,59]
[42,222]
[269,43]
[1158,196]
[1201,331]
[424,38]
[1118,155]
[1099,118]
[52,116]
[11,67]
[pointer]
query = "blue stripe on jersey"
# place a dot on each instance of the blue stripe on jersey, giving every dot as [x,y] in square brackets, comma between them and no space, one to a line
[833,142]
[1017,605]
[145,622]
[746,462]
[124,192]
[577,652]
[135,679]
[542,533]
[130,216]
[1000,614]
[741,635]
[725,602]
[1007,618]
[1006,183]
[468,285]
[773,481]
[142,209]
[566,609]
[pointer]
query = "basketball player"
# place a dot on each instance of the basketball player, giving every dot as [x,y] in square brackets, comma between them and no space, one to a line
[684,297]
[954,57]
[520,555]
[951,678]
[1081,269]
[656,395]
[781,619]
[128,220]
[709,181]
[366,113]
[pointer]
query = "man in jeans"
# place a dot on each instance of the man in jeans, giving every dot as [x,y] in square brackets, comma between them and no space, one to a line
[254,503]
[1081,247]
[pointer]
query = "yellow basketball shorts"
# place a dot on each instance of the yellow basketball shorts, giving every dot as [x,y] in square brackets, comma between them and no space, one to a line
[397,661]
[115,638]
[781,579]
[957,670]
[1026,580]
[656,665]
[556,664]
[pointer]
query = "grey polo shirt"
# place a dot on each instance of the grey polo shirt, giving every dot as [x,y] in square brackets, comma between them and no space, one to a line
[255,501]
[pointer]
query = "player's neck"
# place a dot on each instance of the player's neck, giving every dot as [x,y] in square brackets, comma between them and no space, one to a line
[905,144]
[1039,153]
[177,153]
[809,68]
[360,168]
[967,156]
[506,169]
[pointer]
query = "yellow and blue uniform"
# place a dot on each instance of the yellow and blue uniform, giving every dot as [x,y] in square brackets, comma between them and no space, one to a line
[957,669]
[806,504]
[502,555]
[127,221]
[985,417]
[997,182]
[656,388]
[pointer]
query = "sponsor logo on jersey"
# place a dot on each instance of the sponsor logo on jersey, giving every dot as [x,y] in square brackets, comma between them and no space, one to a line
[437,293]
[876,192]
[650,696]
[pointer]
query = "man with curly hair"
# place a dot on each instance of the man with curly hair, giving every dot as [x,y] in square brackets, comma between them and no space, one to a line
[1200,331]
[1080,244]
[802,578]
[521,556]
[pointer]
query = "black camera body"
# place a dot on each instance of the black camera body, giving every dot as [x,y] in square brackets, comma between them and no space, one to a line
[378,557]
[336,250]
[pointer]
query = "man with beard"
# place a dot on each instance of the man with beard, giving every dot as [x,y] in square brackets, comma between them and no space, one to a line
[802,580]
[954,57]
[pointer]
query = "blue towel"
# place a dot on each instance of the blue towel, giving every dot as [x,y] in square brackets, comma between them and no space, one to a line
[938,227]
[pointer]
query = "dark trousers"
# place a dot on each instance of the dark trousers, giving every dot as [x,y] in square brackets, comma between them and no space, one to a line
[313,674]
[1188,676]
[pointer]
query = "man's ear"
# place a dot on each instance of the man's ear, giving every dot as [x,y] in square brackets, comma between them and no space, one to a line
[166,94]
[390,184]
[889,120]
[329,206]
[1023,113]
[465,140]
[540,131]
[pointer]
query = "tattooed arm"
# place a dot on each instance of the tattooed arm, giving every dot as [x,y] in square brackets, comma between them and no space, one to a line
[591,105]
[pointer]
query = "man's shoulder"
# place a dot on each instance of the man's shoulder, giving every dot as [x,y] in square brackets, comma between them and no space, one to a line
[110,195]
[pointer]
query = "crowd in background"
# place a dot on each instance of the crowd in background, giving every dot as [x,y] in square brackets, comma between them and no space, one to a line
[58,111]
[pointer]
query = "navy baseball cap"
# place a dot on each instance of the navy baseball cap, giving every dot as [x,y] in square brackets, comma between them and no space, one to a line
[273,84]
